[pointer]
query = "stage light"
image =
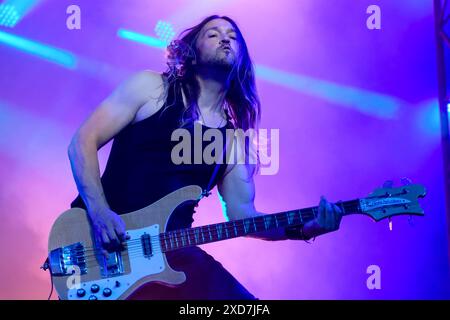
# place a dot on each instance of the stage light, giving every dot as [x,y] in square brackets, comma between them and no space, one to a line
[52,54]
[12,11]
[141,38]
[428,118]
[8,16]
[368,102]
[165,31]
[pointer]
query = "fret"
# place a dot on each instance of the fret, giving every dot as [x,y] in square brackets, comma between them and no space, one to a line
[246,225]
[170,239]
[315,211]
[301,216]
[182,237]
[226,230]
[254,224]
[176,238]
[188,237]
[210,235]
[276,220]
[235,230]
[219,230]
[165,242]
[196,235]
[265,222]
[290,217]
[203,236]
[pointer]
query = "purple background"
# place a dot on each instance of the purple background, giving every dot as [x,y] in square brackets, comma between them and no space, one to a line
[355,107]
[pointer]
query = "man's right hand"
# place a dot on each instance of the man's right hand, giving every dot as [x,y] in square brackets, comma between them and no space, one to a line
[109,229]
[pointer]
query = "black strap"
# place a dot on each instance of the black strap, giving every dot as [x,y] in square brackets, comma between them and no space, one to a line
[206,192]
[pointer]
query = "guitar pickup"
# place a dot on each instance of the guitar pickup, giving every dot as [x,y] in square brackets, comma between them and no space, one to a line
[146,245]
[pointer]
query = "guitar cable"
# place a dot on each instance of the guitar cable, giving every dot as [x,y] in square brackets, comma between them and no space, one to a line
[45,267]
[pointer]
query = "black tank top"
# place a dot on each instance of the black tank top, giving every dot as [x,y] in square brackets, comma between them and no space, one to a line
[140,171]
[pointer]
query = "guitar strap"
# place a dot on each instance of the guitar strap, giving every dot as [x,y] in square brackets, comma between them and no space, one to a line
[206,192]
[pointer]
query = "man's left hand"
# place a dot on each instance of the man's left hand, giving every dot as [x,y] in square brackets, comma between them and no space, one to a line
[327,220]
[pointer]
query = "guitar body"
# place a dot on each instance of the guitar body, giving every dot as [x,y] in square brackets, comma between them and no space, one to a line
[121,275]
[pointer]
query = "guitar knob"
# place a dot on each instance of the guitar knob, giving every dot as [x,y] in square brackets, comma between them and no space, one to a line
[95,288]
[81,293]
[107,292]
[92,297]
[117,284]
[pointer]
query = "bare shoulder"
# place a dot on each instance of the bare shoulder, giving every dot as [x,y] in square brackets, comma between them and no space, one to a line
[153,78]
[151,84]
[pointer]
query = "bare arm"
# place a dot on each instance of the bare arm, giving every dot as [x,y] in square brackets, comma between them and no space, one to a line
[109,118]
[237,192]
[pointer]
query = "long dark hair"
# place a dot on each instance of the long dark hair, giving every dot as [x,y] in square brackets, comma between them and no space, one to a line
[241,100]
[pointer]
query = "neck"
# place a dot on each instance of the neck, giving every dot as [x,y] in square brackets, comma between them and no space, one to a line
[213,84]
[175,239]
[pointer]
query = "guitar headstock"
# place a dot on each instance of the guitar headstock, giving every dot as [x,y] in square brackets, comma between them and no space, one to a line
[389,201]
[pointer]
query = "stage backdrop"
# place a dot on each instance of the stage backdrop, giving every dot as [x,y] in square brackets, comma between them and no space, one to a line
[354,105]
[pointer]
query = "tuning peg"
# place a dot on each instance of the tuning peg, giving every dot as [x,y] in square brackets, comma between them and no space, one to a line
[388,184]
[390,224]
[406,181]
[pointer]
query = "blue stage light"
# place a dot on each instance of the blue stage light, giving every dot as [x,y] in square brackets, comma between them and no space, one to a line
[8,15]
[141,38]
[428,118]
[12,11]
[43,51]
[368,102]
[165,31]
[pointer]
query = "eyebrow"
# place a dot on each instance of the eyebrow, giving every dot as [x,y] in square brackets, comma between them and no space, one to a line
[217,28]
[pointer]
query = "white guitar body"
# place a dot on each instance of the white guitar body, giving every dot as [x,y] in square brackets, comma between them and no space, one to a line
[124,272]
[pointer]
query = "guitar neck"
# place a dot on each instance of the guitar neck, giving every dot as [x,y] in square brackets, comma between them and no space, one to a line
[172,240]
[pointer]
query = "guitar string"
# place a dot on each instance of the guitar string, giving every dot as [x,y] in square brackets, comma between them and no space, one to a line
[132,254]
[177,236]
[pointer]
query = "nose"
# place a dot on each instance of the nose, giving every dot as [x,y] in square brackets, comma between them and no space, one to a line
[224,41]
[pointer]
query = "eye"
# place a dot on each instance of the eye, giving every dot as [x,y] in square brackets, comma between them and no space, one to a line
[211,35]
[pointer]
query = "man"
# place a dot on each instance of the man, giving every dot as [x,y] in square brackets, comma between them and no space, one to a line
[210,82]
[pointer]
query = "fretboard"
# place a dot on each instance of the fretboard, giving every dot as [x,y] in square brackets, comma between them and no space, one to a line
[172,240]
